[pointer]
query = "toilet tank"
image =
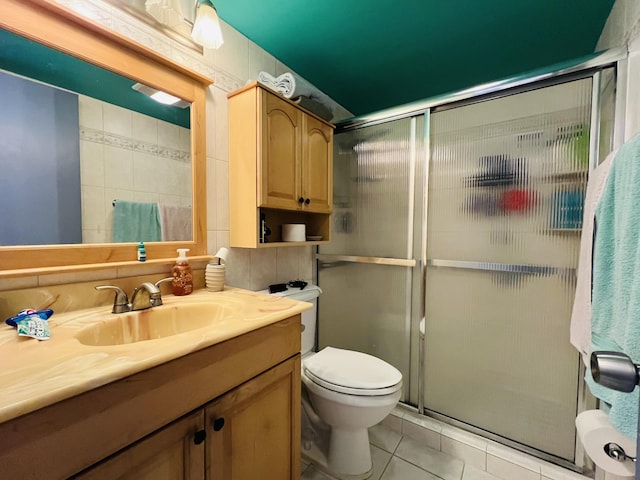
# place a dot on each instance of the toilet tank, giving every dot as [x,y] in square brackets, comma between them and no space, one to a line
[308,294]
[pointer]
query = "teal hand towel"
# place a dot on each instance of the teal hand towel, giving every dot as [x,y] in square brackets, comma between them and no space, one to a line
[615,322]
[136,222]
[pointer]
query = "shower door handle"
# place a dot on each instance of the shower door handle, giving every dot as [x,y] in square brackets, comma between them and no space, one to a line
[333,260]
[542,270]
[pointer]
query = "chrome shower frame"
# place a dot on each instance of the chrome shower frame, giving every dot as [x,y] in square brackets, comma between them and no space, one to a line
[582,68]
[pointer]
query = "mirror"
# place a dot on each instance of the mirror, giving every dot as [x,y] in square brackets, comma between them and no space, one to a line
[116,61]
[101,139]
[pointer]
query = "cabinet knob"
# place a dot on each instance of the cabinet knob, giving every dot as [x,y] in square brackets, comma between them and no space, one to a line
[199,437]
[301,200]
[307,201]
[218,423]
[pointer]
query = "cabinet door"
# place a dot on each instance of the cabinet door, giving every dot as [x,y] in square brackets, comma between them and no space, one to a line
[317,166]
[173,453]
[281,152]
[253,432]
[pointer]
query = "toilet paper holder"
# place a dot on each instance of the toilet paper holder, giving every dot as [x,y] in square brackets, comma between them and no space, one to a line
[616,452]
[617,371]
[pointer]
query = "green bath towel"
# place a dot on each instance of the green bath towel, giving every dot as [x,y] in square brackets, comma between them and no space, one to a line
[615,321]
[136,222]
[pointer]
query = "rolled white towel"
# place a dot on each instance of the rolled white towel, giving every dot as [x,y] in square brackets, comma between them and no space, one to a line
[293,87]
[284,84]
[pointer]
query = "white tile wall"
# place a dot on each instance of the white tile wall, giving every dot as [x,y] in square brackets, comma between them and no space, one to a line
[623,30]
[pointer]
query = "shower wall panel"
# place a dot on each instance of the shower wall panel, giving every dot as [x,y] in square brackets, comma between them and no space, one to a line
[367,273]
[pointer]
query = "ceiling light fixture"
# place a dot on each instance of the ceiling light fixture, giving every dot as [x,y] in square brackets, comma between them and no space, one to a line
[160,96]
[206,28]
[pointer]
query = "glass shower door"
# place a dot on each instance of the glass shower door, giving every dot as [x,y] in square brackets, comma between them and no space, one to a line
[368,273]
[506,186]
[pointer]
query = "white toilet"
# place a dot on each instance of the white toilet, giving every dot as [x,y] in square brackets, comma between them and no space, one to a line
[344,393]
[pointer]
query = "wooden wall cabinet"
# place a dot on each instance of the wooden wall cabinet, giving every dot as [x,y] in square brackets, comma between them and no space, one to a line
[230,411]
[281,168]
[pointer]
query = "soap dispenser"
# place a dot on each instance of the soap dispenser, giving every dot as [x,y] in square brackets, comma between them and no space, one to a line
[182,283]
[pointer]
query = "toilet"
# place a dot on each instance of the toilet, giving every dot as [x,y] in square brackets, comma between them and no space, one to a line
[344,392]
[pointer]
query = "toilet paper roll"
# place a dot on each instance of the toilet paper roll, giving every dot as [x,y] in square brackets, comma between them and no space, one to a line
[595,433]
[294,232]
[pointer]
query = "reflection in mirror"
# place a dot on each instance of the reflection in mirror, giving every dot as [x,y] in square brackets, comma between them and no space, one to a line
[86,157]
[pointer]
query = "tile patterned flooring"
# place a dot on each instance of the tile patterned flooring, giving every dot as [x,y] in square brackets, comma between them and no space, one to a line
[406,446]
[397,457]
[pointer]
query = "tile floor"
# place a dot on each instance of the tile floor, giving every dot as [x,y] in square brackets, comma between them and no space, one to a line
[407,446]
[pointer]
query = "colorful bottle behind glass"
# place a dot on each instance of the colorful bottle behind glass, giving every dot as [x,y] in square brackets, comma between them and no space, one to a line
[182,283]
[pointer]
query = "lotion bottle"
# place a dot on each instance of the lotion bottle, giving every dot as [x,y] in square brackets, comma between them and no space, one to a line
[182,283]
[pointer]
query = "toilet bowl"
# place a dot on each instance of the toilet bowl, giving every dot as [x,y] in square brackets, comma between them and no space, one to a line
[344,393]
[350,391]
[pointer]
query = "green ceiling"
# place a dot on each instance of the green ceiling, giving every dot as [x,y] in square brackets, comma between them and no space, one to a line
[370,55]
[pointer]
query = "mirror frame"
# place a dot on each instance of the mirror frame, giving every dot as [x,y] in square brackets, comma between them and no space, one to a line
[62,29]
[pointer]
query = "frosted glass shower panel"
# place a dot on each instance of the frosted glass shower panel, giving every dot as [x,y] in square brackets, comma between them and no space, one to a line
[510,189]
[507,179]
[374,170]
[497,355]
[364,307]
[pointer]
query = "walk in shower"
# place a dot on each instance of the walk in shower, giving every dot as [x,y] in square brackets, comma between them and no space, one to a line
[456,231]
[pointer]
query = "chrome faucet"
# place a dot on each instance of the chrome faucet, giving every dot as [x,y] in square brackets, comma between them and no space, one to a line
[150,297]
[146,295]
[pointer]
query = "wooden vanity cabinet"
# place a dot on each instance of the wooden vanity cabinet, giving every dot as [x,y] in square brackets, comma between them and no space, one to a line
[281,161]
[174,453]
[165,422]
[250,428]
[246,434]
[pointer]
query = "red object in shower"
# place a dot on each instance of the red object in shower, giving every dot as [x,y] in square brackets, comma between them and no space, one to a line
[517,200]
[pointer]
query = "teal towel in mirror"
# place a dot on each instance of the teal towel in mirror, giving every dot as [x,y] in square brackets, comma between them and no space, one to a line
[136,222]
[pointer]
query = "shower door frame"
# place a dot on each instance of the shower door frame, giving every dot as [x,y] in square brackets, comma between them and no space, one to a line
[590,68]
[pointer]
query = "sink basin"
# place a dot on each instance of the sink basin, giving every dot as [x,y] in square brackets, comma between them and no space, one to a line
[151,324]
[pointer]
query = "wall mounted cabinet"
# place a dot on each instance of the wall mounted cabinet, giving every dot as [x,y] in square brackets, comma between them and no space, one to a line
[281,168]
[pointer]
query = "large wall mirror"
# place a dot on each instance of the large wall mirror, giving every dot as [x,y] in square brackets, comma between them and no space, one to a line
[85,150]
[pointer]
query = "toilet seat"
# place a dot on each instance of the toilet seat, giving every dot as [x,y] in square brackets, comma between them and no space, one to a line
[352,373]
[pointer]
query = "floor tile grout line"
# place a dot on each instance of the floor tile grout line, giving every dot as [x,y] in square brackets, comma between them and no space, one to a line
[414,464]
[384,470]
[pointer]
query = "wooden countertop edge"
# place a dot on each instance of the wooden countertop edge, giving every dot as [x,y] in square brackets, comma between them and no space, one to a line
[121,361]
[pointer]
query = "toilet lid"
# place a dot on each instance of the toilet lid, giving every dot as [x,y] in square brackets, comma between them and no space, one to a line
[352,372]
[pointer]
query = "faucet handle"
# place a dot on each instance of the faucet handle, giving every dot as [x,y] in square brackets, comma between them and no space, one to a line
[120,302]
[163,280]
[158,301]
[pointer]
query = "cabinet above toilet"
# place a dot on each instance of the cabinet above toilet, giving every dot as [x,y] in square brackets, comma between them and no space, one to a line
[280,169]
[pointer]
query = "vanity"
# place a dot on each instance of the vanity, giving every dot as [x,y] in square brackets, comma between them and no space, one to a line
[219,401]
[203,386]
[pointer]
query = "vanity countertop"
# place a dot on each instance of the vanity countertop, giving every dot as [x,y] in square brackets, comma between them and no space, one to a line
[36,374]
